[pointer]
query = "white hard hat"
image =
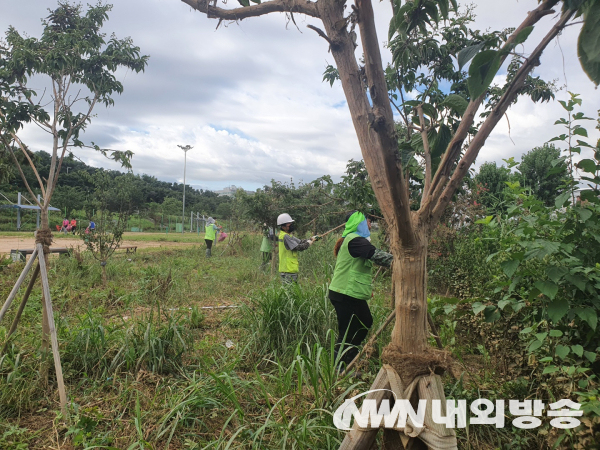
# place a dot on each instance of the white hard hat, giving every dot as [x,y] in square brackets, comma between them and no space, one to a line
[284,218]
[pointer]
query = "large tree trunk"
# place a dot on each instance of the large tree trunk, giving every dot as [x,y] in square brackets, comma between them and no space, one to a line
[410,280]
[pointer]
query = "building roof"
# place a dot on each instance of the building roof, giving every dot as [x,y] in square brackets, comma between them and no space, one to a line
[28,207]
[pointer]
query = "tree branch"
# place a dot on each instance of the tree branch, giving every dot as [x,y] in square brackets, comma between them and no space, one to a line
[382,122]
[452,153]
[495,116]
[24,150]
[320,33]
[6,144]
[213,12]
[427,153]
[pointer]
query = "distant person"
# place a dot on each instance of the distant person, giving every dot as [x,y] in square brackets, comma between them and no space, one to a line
[92,225]
[210,234]
[65,223]
[73,225]
[289,246]
[266,247]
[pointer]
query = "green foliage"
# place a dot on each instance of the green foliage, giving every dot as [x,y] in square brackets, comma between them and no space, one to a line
[570,138]
[109,208]
[588,44]
[355,188]
[544,171]
[424,52]
[73,54]
[491,182]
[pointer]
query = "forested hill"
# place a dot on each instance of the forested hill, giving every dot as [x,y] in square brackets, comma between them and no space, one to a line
[149,194]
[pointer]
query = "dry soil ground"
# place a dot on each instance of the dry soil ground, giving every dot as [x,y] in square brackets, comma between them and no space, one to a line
[8,243]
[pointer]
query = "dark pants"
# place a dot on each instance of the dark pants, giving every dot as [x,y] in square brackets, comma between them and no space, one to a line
[209,243]
[354,320]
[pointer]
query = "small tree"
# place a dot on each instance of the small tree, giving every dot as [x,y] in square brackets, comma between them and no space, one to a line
[79,66]
[109,208]
[490,183]
[544,171]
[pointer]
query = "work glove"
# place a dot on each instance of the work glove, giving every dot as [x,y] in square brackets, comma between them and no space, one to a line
[316,238]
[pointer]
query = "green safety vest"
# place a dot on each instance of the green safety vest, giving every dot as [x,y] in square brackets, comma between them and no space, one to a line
[209,232]
[352,276]
[288,259]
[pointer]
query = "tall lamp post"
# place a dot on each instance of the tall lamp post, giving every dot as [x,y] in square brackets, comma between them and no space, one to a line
[185,149]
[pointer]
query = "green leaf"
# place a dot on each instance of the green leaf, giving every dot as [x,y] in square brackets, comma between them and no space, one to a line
[430,110]
[562,351]
[509,267]
[466,54]
[485,221]
[587,165]
[504,303]
[561,199]
[556,333]
[541,336]
[583,213]
[556,273]
[491,314]
[482,71]
[591,356]
[550,369]
[478,307]
[547,359]
[444,8]
[457,103]
[526,330]
[576,280]
[588,315]
[441,141]
[523,35]
[548,288]
[577,349]
[580,132]
[588,44]
[534,345]
[557,309]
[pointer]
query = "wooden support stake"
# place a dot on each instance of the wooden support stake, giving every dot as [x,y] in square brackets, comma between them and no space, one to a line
[50,316]
[363,439]
[15,323]
[15,289]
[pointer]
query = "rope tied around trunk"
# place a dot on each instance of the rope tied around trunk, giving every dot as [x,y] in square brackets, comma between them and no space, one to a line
[44,237]
[410,366]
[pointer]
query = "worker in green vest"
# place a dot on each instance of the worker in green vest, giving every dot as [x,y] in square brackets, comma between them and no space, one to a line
[289,246]
[210,233]
[266,247]
[351,285]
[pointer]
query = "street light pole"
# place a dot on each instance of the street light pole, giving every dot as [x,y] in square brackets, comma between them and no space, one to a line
[185,149]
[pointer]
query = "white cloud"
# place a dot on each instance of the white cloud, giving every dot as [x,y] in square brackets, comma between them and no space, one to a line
[250,99]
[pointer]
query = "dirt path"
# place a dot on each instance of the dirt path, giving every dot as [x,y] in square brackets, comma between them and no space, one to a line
[8,243]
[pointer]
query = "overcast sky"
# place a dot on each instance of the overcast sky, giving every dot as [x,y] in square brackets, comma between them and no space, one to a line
[249,97]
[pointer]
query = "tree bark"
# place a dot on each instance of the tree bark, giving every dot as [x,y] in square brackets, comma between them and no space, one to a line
[409,275]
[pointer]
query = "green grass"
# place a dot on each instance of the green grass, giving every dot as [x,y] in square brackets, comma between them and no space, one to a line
[146,367]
